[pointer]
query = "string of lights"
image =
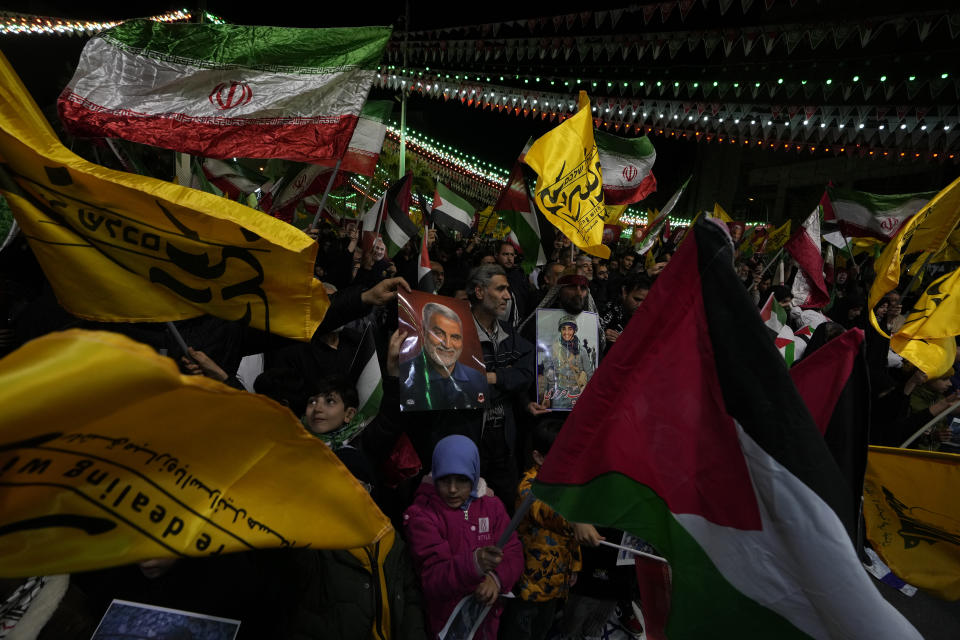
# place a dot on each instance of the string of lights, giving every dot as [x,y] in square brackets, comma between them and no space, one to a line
[23,24]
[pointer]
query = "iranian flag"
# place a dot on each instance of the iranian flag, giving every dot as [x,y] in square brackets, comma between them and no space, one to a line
[707,451]
[451,212]
[398,228]
[861,214]
[225,90]
[809,288]
[363,152]
[627,165]
[229,177]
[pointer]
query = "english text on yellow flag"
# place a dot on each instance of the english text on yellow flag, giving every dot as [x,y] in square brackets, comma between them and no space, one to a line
[119,247]
[912,516]
[569,187]
[109,456]
[927,231]
[778,237]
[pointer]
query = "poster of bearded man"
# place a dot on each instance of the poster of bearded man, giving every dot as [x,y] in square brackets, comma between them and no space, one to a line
[566,356]
[441,361]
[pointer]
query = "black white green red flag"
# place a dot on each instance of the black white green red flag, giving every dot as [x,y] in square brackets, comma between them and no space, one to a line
[451,212]
[706,450]
[398,228]
[225,90]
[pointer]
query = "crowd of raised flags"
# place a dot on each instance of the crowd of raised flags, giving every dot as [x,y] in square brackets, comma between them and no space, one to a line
[700,440]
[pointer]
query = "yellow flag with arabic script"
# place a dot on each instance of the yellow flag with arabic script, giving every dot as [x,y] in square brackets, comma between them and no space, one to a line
[109,456]
[778,237]
[569,187]
[119,247]
[912,516]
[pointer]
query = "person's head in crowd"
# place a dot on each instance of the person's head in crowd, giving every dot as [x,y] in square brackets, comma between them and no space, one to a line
[461,294]
[284,386]
[626,261]
[894,306]
[743,269]
[850,312]
[551,273]
[763,288]
[438,274]
[841,276]
[333,405]
[543,436]
[573,292]
[941,385]
[602,271]
[783,296]
[442,337]
[488,289]
[456,470]
[633,291]
[379,249]
[506,255]
[585,266]
[565,257]
[486,257]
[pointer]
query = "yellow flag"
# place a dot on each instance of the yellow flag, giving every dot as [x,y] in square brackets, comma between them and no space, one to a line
[119,247]
[778,237]
[913,516]
[569,188]
[612,213]
[926,337]
[109,456]
[927,231]
[718,212]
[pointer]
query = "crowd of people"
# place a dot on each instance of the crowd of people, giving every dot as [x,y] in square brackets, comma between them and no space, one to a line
[476,465]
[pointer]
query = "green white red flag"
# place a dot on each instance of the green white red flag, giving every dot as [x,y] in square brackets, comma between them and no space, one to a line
[363,152]
[627,166]
[649,235]
[707,451]
[225,90]
[861,214]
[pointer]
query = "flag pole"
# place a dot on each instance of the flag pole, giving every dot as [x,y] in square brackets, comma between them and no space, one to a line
[773,261]
[635,552]
[515,520]
[326,192]
[403,95]
[920,431]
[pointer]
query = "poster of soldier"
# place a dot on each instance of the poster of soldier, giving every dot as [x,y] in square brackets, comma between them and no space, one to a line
[566,356]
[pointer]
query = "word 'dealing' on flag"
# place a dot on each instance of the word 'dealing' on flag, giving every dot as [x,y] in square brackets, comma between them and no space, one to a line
[118,247]
[225,90]
[109,456]
[569,188]
[717,464]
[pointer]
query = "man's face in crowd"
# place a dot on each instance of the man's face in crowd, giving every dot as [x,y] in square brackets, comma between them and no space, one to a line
[627,262]
[488,260]
[567,332]
[841,277]
[573,298]
[495,296]
[585,267]
[553,274]
[632,300]
[444,341]
[602,272]
[438,273]
[379,250]
[506,256]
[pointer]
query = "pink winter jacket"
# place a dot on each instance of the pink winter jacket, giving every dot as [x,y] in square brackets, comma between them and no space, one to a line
[442,540]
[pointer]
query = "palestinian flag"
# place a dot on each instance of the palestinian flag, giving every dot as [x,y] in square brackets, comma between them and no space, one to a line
[365,372]
[627,165]
[860,214]
[529,229]
[789,344]
[363,152]
[451,212]
[425,281]
[225,90]
[398,228]
[773,314]
[707,452]
[809,288]
[645,241]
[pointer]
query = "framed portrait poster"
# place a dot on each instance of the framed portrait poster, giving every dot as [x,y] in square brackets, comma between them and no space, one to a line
[567,348]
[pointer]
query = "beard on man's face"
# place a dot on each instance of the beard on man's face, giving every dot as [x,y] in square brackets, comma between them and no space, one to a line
[571,300]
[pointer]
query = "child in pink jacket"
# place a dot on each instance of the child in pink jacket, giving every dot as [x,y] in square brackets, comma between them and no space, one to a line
[452,530]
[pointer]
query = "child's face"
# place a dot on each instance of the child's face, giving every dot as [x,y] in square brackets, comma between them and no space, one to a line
[454,489]
[326,413]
